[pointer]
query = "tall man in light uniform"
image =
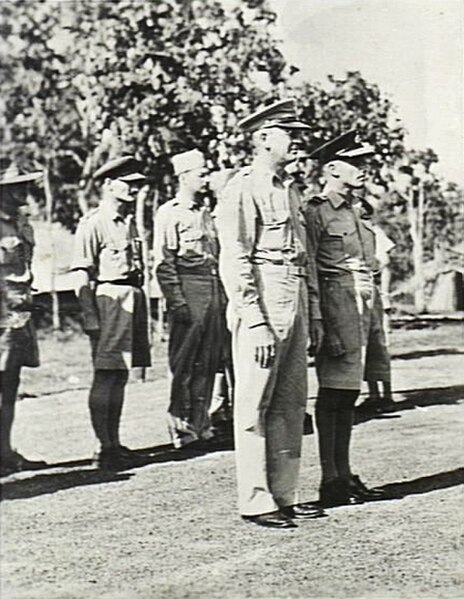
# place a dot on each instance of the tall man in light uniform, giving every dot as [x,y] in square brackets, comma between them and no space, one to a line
[268,278]
[109,279]
[344,253]
[186,265]
[18,343]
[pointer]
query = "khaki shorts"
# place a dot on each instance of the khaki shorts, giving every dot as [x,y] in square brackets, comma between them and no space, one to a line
[18,347]
[123,341]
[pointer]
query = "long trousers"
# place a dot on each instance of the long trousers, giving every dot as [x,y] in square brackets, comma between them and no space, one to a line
[194,354]
[269,403]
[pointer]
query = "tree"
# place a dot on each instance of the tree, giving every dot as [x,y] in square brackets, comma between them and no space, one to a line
[158,77]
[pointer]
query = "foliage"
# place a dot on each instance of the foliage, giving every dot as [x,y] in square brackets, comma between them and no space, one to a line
[84,80]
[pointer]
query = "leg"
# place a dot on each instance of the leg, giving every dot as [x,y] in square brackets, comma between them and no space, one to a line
[374,394]
[115,406]
[183,344]
[326,419]
[100,395]
[253,388]
[9,390]
[343,426]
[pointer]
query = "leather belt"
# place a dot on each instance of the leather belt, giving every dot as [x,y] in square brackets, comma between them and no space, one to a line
[290,269]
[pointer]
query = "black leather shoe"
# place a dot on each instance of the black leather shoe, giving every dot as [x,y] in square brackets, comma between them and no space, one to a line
[111,459]
[335,493]
[359,490]
[124,451]
[304,511]
[271,520]
[15,462]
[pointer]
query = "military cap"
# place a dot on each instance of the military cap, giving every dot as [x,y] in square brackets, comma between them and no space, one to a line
[12,176]
[281,114]
[187,161]
[121,190]
[125,168]
[344,147]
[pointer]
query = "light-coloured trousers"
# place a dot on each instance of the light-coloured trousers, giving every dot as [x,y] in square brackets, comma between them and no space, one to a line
[269,403]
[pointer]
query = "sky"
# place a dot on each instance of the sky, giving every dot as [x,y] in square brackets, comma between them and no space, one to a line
[413,49]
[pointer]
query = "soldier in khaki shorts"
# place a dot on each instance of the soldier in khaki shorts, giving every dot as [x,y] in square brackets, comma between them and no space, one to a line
[109,278]
[18,343]
[344,253]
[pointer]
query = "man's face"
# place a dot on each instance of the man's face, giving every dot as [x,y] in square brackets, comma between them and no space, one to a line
[195,180]
[351,174]
[279,143]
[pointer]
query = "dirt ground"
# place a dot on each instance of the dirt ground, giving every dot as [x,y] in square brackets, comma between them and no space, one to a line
[168,528]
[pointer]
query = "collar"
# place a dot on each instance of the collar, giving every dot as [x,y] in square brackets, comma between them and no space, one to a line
[336,199]
[265,173]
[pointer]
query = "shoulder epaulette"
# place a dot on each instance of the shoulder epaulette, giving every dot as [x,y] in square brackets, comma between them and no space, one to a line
[317,199]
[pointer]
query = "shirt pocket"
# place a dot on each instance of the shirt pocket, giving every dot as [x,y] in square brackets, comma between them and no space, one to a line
[341,240]
[120,254]
[191,242]
[273,229]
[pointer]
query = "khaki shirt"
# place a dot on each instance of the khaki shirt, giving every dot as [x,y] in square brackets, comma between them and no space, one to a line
[107,245]
[185,243]
[16,247]
[260,222]
[337,235]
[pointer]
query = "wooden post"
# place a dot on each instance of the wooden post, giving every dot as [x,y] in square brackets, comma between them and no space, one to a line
[139,221]
[49,210]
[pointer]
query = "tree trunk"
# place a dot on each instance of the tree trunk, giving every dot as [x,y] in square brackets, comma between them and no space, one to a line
[139,221]
[416,220]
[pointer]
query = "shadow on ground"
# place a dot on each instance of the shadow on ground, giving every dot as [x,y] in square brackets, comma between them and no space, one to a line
[426,353]
[81,473]
[77,473]
[424,484]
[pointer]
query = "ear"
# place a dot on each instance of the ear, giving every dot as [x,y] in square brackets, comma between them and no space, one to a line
[332,170]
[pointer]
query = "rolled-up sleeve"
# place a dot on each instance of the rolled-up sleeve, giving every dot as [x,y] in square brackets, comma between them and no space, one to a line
[236,223]
[86,250]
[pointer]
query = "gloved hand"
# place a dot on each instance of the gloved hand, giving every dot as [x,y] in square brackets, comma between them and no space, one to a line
[182,315]
[316,336]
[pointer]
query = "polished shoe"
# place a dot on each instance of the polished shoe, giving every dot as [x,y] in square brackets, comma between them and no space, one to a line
[334,493]
[110,459]
[15,462]
[271,520]
[358,490]
[124,451]
[304,511]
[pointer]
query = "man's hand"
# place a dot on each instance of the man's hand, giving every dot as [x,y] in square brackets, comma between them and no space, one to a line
[263,340]
[316,335]
[182,315]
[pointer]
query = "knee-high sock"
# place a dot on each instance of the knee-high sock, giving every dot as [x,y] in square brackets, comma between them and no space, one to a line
[326,417]
[115,407]
[9,391]
[343,426]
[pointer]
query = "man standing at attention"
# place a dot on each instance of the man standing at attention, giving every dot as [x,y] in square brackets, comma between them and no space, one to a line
[109,278]
[342,246]
[18,343]
[186,254]
[268,278]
